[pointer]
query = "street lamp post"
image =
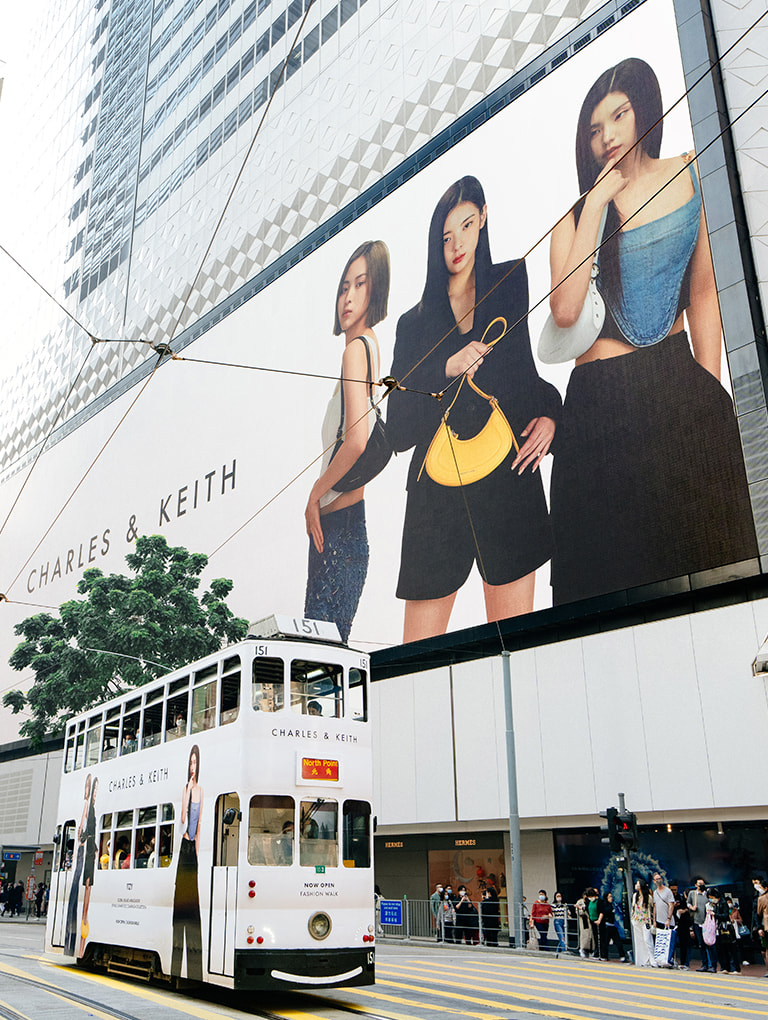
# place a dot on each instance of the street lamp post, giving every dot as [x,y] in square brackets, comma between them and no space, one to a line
[515,904]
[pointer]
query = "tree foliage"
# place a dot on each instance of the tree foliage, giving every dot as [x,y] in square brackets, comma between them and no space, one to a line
[127,631]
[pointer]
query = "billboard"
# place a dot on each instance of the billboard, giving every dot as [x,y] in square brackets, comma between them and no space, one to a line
[622,468]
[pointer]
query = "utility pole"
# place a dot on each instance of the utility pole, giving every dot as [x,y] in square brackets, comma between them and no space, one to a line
[515,903]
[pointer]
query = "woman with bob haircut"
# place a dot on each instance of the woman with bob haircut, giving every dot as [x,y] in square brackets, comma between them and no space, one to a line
[648,480]
[338,542]
[499,521]
[186,897]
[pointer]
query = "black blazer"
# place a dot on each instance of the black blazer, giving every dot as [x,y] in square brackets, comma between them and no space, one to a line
[508,371]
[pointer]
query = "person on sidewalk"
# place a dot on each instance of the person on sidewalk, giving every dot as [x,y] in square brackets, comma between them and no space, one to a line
[541,915]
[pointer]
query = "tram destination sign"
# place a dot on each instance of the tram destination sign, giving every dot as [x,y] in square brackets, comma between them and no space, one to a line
[322,769]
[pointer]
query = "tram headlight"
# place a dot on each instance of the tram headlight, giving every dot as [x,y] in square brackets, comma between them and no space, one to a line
[319,926]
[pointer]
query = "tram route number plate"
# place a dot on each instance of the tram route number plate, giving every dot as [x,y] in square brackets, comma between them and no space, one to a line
[391,912]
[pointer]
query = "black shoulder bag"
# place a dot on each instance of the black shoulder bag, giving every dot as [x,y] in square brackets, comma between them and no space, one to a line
[378,449]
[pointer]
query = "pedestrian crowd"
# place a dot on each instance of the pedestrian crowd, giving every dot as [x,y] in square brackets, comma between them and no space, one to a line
[13,898]
[668,926]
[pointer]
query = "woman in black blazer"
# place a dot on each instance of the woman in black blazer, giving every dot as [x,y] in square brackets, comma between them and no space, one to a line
[500,521]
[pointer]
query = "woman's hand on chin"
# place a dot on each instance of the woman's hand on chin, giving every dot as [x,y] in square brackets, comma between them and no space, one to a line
[312,517]
[468,360]
[539,433]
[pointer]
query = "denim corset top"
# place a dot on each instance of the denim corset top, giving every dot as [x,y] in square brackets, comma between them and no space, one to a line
[653,259]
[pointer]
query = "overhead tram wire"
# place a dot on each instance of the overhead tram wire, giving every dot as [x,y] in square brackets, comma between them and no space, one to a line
[710,69]
[390,383]
[88,470]
[393,384]
[685,94]
[241,171]
[161,349]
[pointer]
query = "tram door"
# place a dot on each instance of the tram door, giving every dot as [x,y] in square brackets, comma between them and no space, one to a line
[221,954]
[63,876]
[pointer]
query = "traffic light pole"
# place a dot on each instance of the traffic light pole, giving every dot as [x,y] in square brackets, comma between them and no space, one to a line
[629,885]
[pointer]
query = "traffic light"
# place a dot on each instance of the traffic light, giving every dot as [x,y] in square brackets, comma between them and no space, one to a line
[612,839]
[621,828]
[626,830]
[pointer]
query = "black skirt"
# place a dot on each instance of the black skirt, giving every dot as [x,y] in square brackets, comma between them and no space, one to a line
[648,480]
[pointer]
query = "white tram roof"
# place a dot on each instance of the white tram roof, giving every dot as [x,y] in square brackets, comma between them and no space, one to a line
[274,627]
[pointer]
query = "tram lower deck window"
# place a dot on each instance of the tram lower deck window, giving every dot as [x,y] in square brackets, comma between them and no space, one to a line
[271,823]
[319,834]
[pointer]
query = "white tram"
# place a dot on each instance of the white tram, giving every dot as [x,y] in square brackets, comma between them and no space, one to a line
[215,825]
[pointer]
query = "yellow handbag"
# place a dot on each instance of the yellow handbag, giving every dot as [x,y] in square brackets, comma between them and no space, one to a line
[452,461]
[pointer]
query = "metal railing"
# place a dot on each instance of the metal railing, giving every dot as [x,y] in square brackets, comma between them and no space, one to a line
[561,935]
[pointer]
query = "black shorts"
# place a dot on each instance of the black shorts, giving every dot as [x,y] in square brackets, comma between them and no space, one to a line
[501,522]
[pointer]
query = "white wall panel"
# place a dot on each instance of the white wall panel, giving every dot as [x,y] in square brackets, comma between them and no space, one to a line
[480,740]
[395,750]
[676,741]
[733,703]
[566,731]
[530,766]
[434,780]
[618,719]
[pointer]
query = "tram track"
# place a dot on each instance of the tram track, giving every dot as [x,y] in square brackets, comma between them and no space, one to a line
[8,1013]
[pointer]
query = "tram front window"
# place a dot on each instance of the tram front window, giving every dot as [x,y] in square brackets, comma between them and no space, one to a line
[317,689]
[267,686]
[357,834]
[357,707]
[319,835]
[271,831]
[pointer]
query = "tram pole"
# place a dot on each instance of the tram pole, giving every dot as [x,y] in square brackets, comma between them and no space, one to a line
[515,905]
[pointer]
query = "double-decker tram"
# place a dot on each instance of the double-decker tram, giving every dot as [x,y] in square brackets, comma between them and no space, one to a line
[215,825]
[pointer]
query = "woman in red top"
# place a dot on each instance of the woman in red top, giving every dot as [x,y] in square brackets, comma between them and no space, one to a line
[541,915]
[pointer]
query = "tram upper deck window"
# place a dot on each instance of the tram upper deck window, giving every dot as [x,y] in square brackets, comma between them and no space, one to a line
[268,684]
[178,709]
[152,724]
[93,741]
[111,734]
[69,752]
[271,822]
[319,838]
[230,689]
[204,699]
[357,706]
[357,834]
[317,689]
[80,745]
[129,742]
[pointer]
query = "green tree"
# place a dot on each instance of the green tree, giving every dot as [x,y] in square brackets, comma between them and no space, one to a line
[127,631]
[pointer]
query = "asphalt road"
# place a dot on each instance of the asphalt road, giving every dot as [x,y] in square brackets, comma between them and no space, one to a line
[413,981]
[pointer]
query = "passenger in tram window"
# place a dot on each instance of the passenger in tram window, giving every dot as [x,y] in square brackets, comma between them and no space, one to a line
[186,897]
[129,742]
[122,854]
[284,846]
[314,708]
[89,864]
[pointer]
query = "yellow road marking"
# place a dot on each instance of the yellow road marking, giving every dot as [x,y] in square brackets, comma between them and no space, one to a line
[13,1009]
[507,1007]
[183,1006]
[632,990]
[539,998]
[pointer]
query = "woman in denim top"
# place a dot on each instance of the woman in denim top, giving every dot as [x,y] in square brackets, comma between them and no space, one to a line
[648,480]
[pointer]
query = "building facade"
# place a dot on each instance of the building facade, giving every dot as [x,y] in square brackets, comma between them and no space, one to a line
[196,174]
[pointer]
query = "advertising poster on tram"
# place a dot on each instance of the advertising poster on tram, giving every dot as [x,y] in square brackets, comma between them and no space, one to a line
[585,469]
